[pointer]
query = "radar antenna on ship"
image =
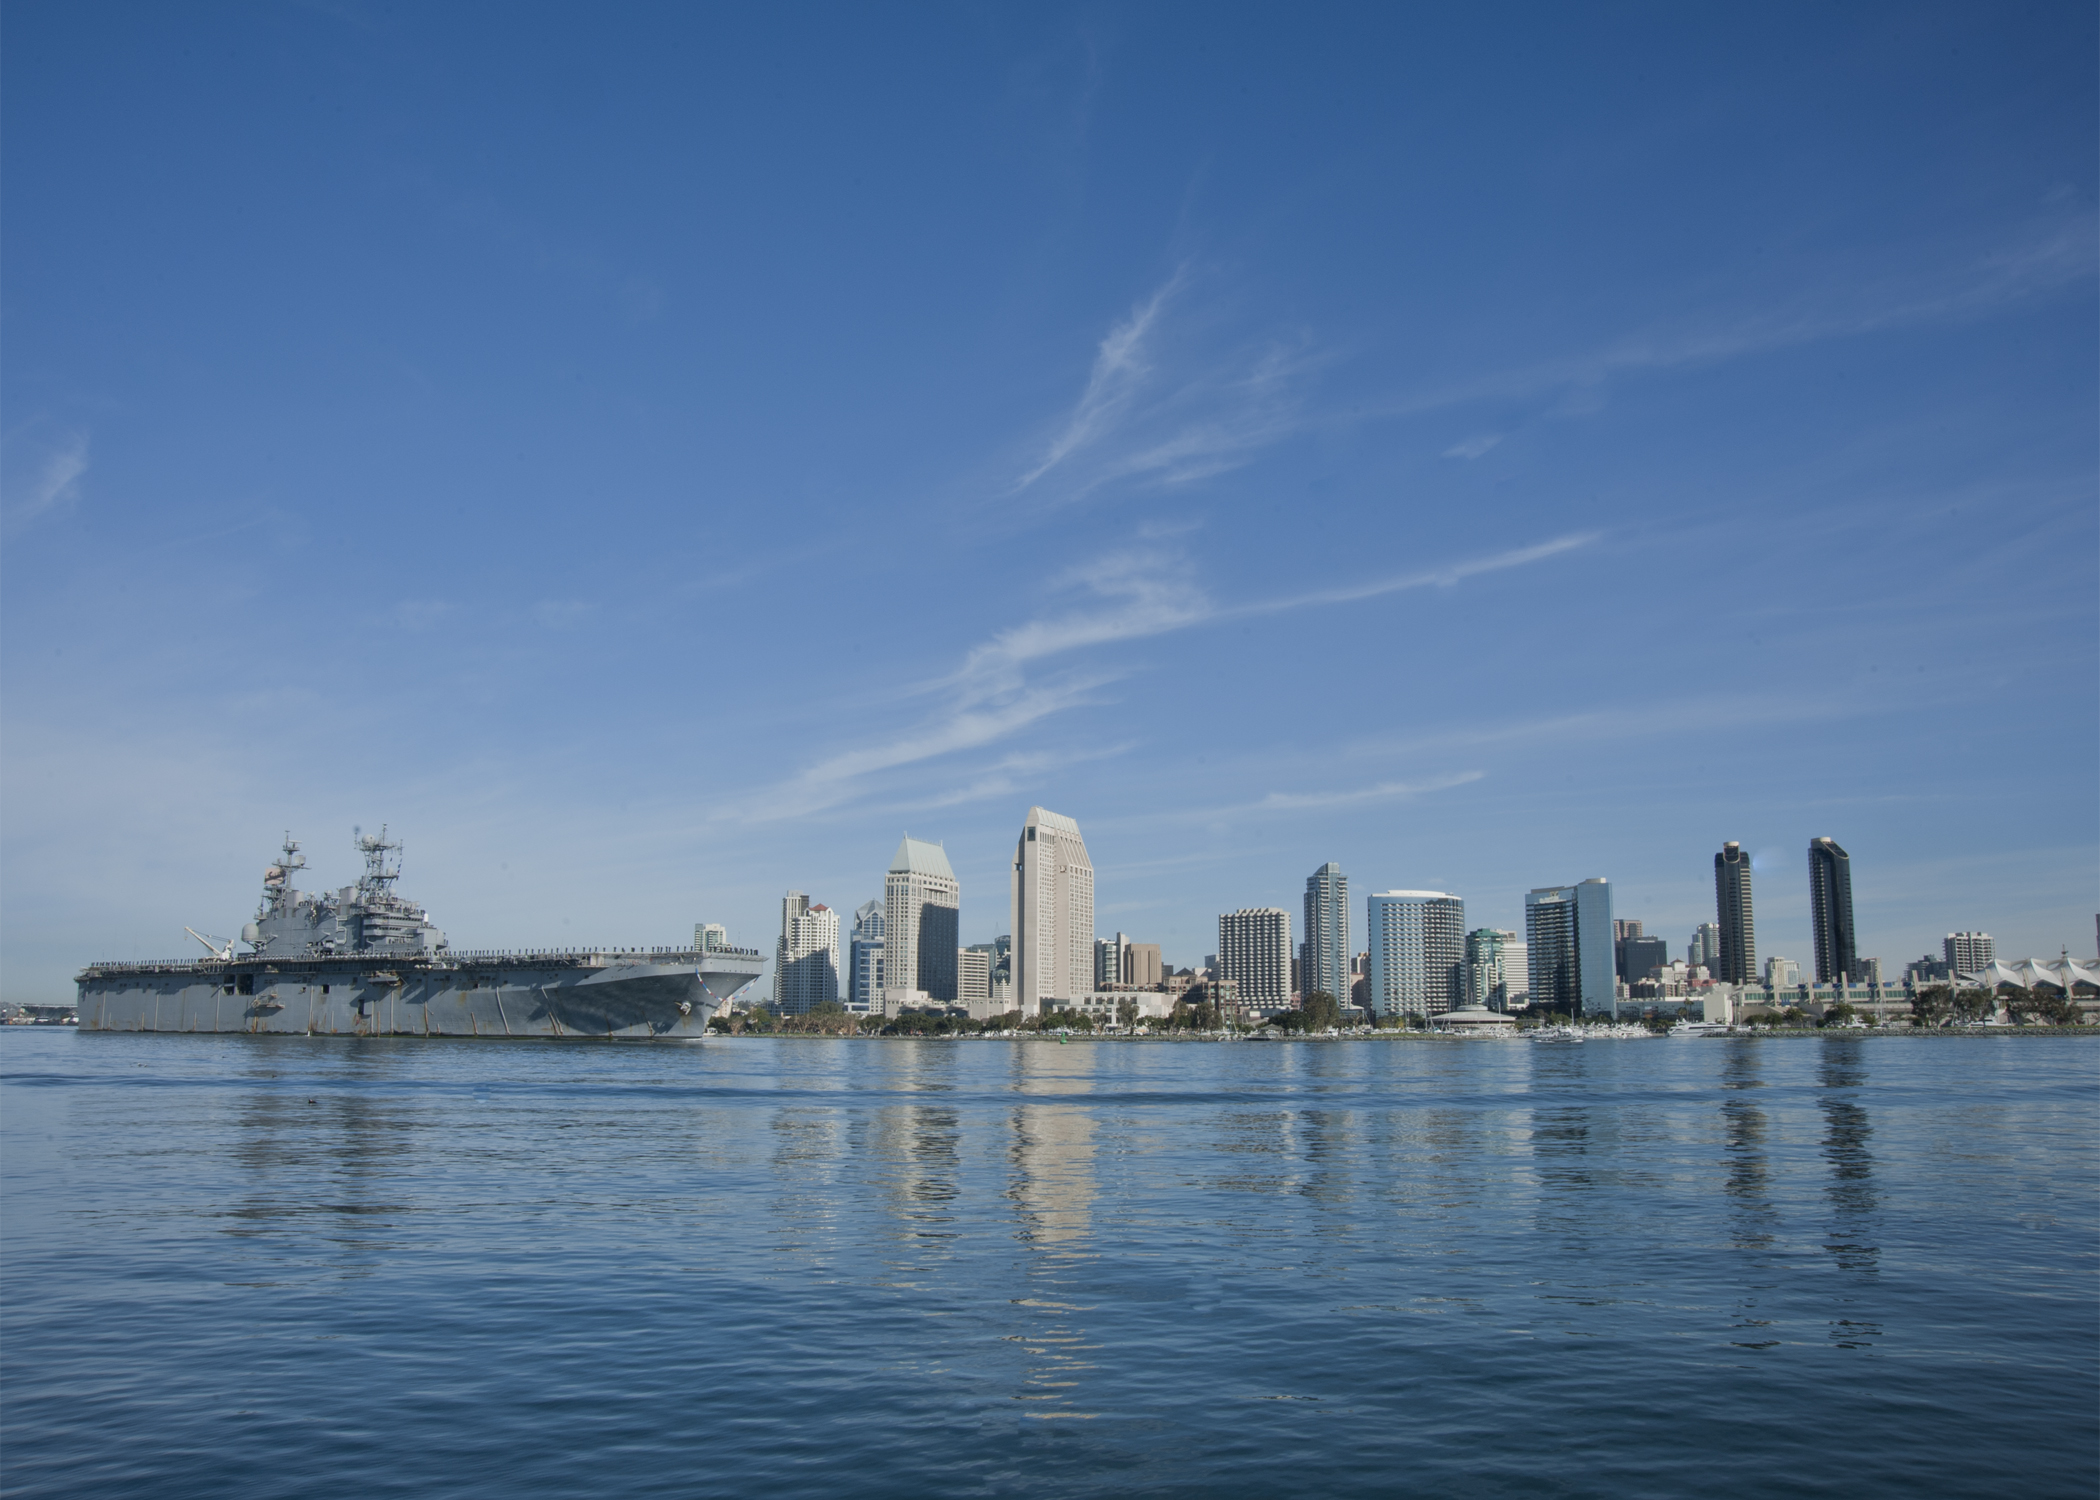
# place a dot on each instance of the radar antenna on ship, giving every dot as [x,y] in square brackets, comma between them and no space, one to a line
[380,871]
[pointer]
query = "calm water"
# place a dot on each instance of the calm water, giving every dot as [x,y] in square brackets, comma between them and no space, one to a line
[261,1267]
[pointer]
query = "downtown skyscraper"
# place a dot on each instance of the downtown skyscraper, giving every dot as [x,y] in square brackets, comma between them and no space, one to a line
[1568,941]
[1737,961]
[1323,958]
[921,914]
[1830,912]
[1417,945]
[806,961]
[1053,913]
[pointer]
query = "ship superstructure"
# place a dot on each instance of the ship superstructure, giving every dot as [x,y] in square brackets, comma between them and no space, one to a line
[364,960]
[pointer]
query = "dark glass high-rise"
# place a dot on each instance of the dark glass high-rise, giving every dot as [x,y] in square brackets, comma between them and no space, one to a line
[1830,912]
[1738,959]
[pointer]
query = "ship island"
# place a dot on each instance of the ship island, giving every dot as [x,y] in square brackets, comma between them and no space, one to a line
[366,961]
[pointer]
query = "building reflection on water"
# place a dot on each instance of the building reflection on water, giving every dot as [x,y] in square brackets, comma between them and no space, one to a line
[1051,1187]
[1854,1199]
[917,1150]
[1749,1181]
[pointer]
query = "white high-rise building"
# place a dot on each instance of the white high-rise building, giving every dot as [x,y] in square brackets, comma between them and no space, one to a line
[1516,973]
[1254,951]
[921,911]
[1969,952]
[973,977]
[1324,958]
[864,960]
[1418,952]
[1781,973]
[806,963]
[1053,914]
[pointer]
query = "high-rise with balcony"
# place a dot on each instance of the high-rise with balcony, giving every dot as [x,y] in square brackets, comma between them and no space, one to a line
[921,911]
[1254,952]
[1736,963]
[1568,939]
[1324,958]
[806,961]
[1969,952]
[1418,952]
[1830,912]
[1053,913]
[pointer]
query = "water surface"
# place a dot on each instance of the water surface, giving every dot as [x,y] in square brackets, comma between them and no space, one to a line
[313,1267]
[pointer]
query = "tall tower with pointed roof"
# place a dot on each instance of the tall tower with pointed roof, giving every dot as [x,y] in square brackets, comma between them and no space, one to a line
[1053,913]
[922,910]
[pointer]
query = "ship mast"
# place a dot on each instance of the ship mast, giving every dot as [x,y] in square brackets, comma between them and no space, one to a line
[277,879]
[377,883]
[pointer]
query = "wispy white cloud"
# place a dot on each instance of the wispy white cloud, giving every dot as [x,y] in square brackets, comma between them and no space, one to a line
[1012,774]
[1441,577]
[1147,592]
[1385,791]
[57,480]
[2059,256]
[963,726]
[1120,364]
[1473,447]
[992,697]
[1148,418]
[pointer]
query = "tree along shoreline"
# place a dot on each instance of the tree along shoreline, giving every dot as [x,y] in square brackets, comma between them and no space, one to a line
[1292,1026]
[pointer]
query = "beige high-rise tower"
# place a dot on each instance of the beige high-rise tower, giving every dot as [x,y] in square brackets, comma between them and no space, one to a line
[1053,913]
[921,907]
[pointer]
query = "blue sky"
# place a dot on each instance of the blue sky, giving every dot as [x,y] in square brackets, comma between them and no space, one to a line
[652,457]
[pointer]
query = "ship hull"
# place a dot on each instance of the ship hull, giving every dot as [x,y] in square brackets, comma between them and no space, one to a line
[630,1001]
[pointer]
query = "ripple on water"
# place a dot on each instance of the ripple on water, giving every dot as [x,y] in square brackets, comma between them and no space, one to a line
[313,1267]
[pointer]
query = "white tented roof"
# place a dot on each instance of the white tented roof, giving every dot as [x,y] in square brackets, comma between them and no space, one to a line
[2029,972]
[917,857]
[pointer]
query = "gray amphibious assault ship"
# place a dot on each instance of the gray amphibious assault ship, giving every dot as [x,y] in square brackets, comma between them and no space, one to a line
[364,961]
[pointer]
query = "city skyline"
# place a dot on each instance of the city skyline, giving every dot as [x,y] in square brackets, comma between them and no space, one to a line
[1633,950]
[1026,395]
